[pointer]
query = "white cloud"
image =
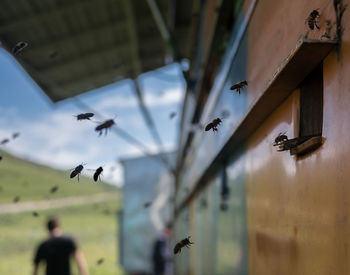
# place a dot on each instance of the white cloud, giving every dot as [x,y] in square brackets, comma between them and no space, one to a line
[58,140]
[168,97]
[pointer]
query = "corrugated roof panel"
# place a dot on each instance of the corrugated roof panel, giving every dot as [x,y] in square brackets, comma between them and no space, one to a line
[75,46]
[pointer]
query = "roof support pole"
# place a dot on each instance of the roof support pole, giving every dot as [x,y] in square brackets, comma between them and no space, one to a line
[165,32]
[137,69]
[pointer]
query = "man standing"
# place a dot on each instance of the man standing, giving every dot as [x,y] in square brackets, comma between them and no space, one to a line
[56,252]
[162,253]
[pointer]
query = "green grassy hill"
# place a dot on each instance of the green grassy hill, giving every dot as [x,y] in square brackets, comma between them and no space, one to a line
[32,181]
[94,225]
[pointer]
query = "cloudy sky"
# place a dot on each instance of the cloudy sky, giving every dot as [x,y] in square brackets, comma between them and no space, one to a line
[51,135]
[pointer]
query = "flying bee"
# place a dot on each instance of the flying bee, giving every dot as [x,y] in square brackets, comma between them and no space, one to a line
[20,46]
[313,20]
[54,189]
[15,135]
[16,199]
[77,171]
[83,116]
[98,173]
[147,204]
[280,138]
[4,141]
[53,54]
[172,115]
[100,261]
[35,214]
[105,126]
[185,242]
[0,157]
[213,125]
[238,86]
[225,114]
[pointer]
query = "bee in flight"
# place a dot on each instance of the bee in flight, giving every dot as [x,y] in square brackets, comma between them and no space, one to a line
[35,214]
[172,115]
[185,242]
[98,173]
[0,157]
[313,20]
[280,138]
[105,126]
[4,141]
[20,46]
[100,261]
[15,135]
[84,116]
[238,86]
[54,189]
[147,204]
[77,171]
[16,199]
[213,125]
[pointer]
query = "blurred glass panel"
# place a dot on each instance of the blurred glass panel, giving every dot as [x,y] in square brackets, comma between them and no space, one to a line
[205,231]
[182,260]
[232,227]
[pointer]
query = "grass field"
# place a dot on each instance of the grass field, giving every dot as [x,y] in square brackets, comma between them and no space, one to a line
[32,181]
[94,228]
[93,225]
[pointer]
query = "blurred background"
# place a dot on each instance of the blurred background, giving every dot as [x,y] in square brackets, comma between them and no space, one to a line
[117,60]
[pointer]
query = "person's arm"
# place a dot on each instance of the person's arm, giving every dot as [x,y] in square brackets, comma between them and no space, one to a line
[35,269]
[81,262]
[37,258]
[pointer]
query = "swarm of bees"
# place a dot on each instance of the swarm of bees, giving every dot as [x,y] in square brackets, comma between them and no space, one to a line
[238,86]
[7,140]
[78,170]
[185,242]
[105,126]
[313,20]
[19,47]
[213,125]
[280,140]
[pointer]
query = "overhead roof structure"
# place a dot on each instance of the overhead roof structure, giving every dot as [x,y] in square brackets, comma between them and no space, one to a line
[79,45]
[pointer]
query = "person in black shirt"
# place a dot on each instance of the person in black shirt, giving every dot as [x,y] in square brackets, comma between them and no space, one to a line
[56,252]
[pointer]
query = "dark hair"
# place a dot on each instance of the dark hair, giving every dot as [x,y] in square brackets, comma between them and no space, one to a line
[52,223]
